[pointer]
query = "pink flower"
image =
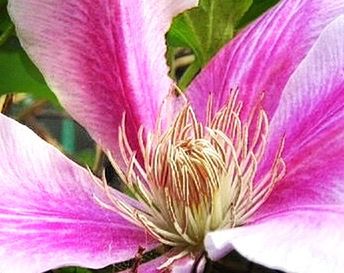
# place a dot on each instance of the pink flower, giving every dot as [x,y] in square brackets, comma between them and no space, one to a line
[253,160]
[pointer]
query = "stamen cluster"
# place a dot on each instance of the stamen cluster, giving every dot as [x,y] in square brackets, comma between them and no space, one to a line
[198,177]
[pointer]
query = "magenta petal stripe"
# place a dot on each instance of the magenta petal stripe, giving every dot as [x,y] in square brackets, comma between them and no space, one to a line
[263,56]
[313,99]
[300,226]
[48,214]
[311,117]
[101,58]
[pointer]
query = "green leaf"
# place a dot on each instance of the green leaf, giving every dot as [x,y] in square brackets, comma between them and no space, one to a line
[206,28]
[19,74]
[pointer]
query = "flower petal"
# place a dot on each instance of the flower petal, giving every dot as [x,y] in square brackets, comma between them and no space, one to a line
[101,57]
[312,101]
[298,229]
[305,240]
[187,265]
[262,57]
[49,216]
[310,117]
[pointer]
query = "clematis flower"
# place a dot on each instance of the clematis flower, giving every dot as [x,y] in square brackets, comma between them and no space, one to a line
[250,158]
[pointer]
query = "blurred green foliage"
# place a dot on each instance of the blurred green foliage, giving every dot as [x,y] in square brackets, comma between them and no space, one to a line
[85,157]
[73,270]
[18,73]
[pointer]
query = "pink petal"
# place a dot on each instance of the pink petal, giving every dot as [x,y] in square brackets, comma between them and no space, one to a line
[101,57]
[299,228]
[263,57]
[187,264]
[310,116]
[305,240]
[49,216]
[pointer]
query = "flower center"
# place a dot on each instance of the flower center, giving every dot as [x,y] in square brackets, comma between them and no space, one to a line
[198,177]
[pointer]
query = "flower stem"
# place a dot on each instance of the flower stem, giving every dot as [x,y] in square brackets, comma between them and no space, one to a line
[6,34]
